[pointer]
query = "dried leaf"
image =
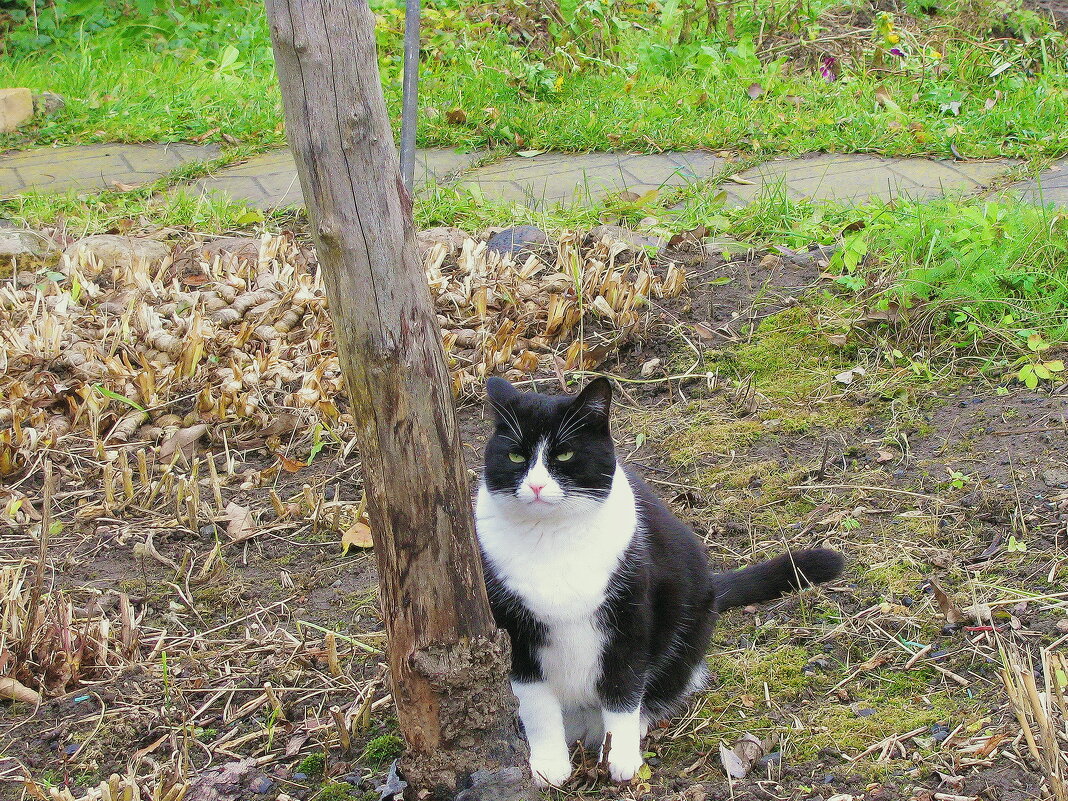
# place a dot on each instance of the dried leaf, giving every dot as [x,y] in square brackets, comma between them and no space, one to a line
[884,456]
[184,439]
[456,116]
[754,91]
[650,367]
[739,759]
[847,376]
[838,340]
[358,536]
[290,465]
[240,524]
[16,691]
[953,613]
[704,330]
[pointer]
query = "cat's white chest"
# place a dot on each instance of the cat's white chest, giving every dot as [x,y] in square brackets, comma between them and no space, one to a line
[560,566]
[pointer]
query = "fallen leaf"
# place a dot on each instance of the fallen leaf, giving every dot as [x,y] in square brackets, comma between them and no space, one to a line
[650,367]
[184,439]
[16,691]
[953,613]
[290,465]
[230,140]
[885,456]
[876,661]
[739,759]
[847,376]
[239,522]
[358,536]
[121,187]
[754,91]
[838,340]
[529,154]
[456,116]
[704,330]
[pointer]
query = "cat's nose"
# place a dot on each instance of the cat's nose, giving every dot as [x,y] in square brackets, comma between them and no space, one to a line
[536,488]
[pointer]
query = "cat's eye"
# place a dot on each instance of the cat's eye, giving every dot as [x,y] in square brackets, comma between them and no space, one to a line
[518,458]
[563,456]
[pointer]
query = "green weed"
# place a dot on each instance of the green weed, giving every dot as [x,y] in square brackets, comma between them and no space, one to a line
[622,75]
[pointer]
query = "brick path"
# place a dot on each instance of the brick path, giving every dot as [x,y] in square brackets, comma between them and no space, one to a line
[270,180]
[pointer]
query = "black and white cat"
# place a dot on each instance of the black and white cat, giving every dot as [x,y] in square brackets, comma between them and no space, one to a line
[608,598]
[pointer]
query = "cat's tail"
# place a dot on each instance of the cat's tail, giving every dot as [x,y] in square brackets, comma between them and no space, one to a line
[768,580]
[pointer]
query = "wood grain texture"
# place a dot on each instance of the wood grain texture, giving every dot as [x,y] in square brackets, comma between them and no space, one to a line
[432,590]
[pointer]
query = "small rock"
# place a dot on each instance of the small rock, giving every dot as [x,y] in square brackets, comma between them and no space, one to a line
[497,785]
[452,238]
[939,732]
[238,248]
[336,584]
[16,107]
[48,103]
[111,251]
[906,601]
[774,758]
[1055,477]
[29,249]
[209,530]
[725,247]
[517,240]
[862,711]
[261,785]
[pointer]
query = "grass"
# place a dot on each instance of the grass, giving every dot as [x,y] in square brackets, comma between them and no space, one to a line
[205,71]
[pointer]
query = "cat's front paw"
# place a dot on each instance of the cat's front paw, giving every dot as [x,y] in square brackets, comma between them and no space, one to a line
[550,771]
[623,767]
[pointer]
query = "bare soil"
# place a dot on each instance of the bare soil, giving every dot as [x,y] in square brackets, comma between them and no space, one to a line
[866,468]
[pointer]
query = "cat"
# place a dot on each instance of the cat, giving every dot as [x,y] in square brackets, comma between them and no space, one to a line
[608,598]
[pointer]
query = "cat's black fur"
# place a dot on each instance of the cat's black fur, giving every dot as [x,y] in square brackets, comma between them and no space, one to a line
[663,600]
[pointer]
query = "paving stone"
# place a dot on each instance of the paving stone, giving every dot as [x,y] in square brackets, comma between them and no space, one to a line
[94,167]
[270,180]
[826,176]
[1050,186]
[562,177]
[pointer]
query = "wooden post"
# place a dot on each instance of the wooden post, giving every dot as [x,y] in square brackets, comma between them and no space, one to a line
[448,662]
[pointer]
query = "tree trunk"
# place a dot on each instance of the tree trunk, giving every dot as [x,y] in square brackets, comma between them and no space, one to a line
[448,662]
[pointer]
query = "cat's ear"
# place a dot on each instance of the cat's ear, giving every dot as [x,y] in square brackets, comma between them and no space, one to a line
[596,397]
[500,393]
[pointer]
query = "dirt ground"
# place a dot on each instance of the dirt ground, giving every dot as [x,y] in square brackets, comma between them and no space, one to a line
[729,404]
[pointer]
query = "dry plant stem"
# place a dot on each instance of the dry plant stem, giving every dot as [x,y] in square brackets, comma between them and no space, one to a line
[42,555]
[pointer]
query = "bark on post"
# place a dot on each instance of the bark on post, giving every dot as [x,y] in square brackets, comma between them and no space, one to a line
[448,662]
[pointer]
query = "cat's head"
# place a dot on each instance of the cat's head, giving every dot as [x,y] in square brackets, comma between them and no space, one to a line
[550,453]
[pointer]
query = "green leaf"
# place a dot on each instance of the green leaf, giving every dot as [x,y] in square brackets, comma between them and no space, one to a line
[1016,545]
[644,772]
[250,216]
[1027,376]
[1055,366]
[115,396]
[639,440]
[1042,372]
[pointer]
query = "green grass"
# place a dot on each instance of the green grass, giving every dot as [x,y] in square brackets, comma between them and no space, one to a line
[206,70]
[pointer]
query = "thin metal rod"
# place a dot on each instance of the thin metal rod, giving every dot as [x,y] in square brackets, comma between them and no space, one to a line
[410,93]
